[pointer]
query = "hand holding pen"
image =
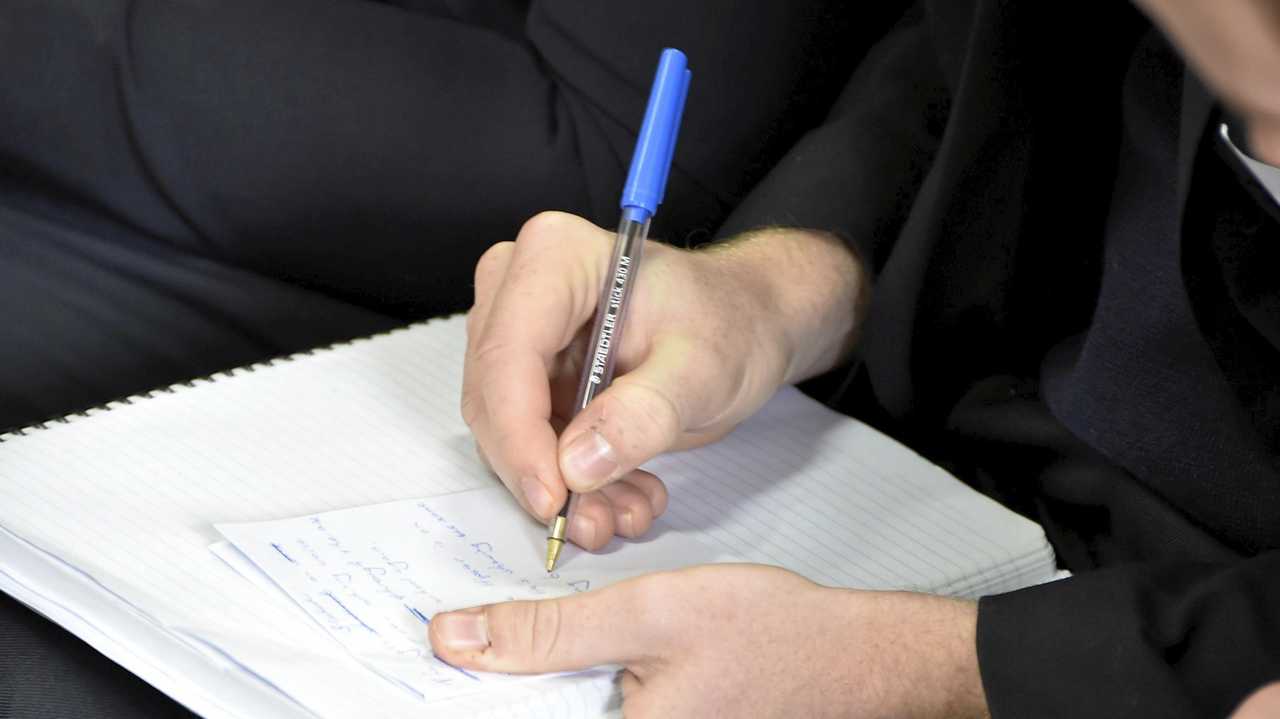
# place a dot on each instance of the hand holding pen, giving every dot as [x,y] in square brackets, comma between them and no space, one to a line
[710,336]
[646,183]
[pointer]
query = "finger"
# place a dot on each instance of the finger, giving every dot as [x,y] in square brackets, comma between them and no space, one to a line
[639,416]
[491,269]
[632,513]
[513,433]
[652,487]
[551,284]
[628,511]
[533,315]
[606,626]
[591,521]
[534,495]
[567,375]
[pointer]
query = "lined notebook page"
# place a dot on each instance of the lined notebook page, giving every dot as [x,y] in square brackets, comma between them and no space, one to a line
[803,487]
[128,498]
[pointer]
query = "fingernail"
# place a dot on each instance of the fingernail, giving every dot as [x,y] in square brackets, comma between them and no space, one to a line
[537,496]
[461,631]
[589,461]
[584,530]
[627,523]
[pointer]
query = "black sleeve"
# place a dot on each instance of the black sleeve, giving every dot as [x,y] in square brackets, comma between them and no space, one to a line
[857,174]
[1145,640]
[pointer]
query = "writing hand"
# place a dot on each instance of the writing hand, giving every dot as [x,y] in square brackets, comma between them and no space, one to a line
[709,337]
[738,640]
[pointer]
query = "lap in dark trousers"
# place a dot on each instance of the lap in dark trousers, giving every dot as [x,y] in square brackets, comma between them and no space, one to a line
[332,142]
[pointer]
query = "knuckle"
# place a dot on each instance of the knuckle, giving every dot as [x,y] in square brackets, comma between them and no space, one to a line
[527,631]
[489,266]
[544,226]
[653,416]
[488,357]
[546,626]
[658,497]
[477,318]
[484,359]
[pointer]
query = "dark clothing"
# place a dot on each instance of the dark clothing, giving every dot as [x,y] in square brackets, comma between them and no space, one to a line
[356,149]
[190,186]
[1077,309]
[372,153]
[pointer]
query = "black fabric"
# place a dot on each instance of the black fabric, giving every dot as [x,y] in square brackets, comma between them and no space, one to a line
[191,186]
[1155,639]
[367,151]
[327,142]
[47,672]
[1076,309]
[95,311]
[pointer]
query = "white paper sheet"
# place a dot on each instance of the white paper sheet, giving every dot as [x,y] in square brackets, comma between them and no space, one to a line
[373,577]
[112,516]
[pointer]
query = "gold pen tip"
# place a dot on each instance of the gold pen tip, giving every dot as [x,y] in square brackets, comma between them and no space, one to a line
[553,552]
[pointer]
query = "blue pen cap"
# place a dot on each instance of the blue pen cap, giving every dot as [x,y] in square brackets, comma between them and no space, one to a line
[656,144]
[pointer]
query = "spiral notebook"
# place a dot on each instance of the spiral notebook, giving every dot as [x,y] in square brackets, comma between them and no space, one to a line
[107,520]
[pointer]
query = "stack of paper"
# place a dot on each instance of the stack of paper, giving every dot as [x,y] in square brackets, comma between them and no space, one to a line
[106,524]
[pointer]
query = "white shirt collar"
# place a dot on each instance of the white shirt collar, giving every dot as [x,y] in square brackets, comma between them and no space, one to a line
[1268,175]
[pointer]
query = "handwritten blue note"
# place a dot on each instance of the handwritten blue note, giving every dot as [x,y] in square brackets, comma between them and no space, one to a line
[373,577]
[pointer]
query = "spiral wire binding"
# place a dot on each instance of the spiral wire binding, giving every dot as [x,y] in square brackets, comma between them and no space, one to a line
[225,374]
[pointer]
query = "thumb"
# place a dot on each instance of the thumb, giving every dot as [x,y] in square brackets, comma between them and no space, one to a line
[641,415]
[549,635]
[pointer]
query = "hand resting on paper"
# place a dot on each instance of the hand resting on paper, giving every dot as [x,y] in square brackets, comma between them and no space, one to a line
[711,334]
[738,640]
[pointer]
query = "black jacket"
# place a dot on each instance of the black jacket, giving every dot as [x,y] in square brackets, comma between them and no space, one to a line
[1077,309]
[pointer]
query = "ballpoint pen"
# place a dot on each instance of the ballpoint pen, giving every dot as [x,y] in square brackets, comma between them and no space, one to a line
[646,182]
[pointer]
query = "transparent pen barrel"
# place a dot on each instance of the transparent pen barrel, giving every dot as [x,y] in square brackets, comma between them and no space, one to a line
[611,310]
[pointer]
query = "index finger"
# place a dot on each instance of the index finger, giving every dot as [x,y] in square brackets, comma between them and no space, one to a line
[548,292]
